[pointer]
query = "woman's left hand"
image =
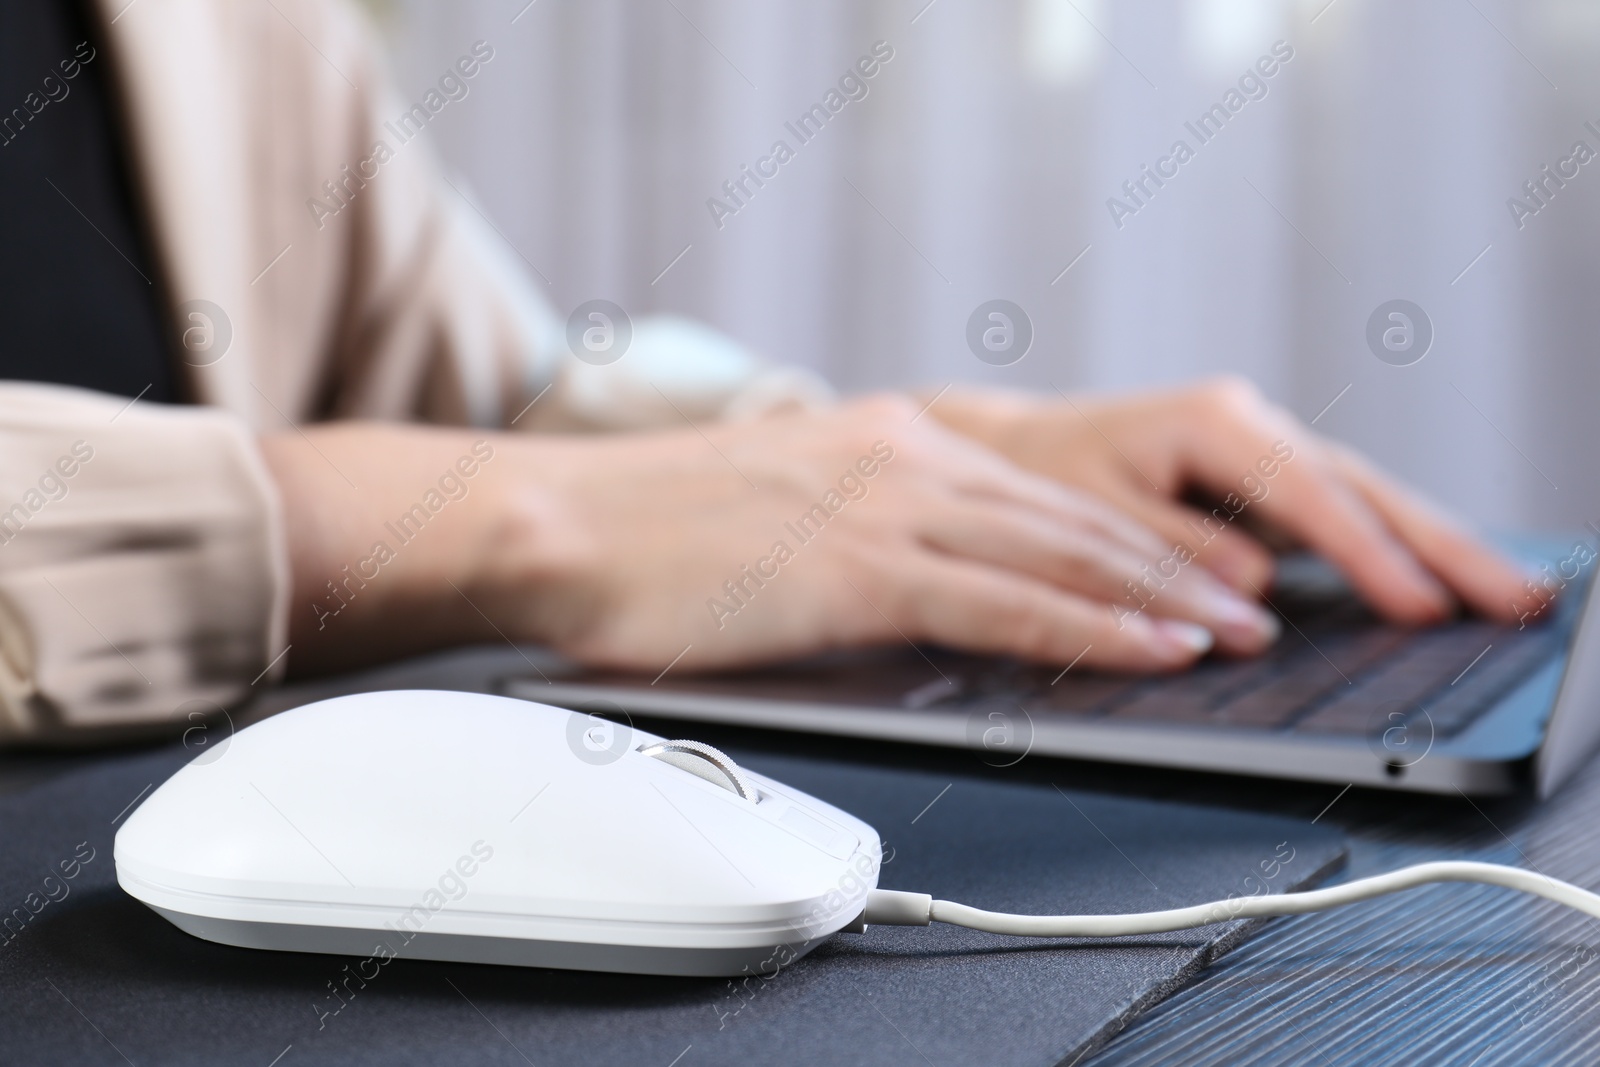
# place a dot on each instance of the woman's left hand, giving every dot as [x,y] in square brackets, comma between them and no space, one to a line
[1143,453]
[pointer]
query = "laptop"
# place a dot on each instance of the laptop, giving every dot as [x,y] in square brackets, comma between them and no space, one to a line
[1468,706]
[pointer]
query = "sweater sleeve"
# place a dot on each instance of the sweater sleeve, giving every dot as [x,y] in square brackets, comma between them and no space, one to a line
[143,569]
[143,576]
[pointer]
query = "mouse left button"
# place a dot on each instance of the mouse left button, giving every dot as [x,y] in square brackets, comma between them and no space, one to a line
[704,761]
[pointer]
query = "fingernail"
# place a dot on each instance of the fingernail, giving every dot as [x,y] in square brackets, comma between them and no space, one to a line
[1240,618]
[1186,638]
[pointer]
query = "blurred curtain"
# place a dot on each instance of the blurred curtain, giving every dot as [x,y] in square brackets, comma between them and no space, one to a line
[1377,165]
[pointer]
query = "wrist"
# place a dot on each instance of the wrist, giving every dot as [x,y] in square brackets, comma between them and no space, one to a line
[387,528]
[533,556]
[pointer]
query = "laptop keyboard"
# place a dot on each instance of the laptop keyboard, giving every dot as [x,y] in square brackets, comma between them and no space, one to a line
[1335,671]
[1329,677]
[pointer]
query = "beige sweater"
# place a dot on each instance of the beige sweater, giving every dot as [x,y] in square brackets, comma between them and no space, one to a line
[313,276]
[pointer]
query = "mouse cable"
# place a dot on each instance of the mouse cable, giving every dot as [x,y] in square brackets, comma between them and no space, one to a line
[888,907]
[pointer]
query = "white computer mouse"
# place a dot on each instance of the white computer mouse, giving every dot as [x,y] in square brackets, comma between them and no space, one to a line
[459,826]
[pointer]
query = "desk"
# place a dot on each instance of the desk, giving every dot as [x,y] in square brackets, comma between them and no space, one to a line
[1474,976]
[1440,975]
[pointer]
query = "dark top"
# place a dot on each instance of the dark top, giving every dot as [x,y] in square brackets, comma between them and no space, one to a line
[80,302]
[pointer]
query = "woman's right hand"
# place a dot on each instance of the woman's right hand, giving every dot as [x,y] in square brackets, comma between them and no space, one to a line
[740,544]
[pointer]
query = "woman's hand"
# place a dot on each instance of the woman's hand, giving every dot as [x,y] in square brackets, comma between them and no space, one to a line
[741,543]
[1142,453]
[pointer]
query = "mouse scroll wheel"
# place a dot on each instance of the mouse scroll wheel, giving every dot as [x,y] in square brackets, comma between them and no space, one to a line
[703,761]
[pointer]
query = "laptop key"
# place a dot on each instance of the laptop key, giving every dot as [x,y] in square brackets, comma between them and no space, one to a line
[1427,666]
[1332,663]
[1080,694]
[1508,661]
[1191,697]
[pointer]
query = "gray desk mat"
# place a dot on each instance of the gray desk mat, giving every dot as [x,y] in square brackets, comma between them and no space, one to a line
[94,977]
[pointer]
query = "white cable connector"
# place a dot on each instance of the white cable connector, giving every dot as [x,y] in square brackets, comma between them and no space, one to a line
[888,907]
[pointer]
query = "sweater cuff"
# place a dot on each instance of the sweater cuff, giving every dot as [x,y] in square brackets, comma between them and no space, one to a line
[143,569]
[674,370]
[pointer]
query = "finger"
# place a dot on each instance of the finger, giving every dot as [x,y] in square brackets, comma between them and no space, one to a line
[1081,560]
[981,473]
[1233,451]
[1485,579]
[969,605]
[1230,553]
